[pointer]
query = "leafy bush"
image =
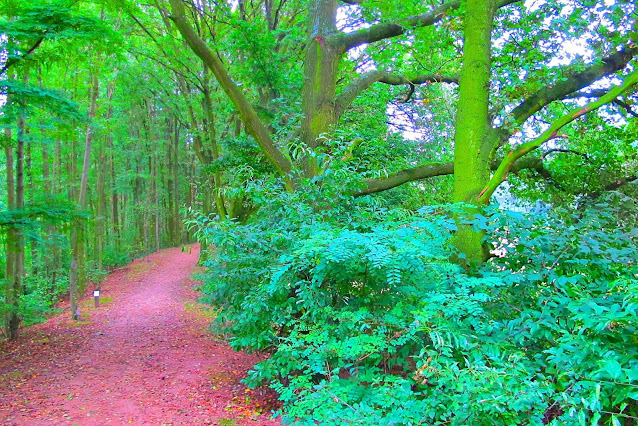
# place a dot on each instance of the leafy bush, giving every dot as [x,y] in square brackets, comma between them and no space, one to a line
[113,258]
[42,293]
[369,322]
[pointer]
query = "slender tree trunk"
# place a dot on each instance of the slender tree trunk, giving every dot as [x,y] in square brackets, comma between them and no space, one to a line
[176,218]
[155,200]
[28,170]
[76,284]
[211,136]
[57,158]
[100,221]
[20,260]
[171,197]
[472,149]
[115,214]
[46,169]
[12,278]
[100,229]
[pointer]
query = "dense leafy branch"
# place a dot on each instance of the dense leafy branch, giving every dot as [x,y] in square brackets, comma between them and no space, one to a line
[511,158]
[49,212]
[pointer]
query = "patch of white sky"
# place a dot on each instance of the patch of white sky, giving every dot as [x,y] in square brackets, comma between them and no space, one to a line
[404,120]
[4,56]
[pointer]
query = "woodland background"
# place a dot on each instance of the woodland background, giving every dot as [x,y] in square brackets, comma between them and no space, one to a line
[425,212]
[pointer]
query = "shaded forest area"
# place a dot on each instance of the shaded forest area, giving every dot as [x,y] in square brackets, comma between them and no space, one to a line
[424,212]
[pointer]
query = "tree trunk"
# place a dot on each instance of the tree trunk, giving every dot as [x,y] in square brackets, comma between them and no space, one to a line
[472,150]
[11,320]
[211,137]
[20,261]
[76,276]
[175,213]
[320,70]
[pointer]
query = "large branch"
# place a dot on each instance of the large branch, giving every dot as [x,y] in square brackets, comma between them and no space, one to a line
[564,88]
[506,165]
[393,29]
[432,170]
[614,186]
[253,123]
[358,85]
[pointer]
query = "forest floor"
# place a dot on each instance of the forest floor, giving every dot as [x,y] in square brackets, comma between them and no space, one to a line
[145,356]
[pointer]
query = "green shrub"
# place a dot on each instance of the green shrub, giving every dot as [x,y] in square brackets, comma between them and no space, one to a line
[367,321]
[41,294]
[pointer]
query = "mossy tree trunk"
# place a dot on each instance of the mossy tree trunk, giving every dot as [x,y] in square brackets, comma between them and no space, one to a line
[473,148]
[319,90]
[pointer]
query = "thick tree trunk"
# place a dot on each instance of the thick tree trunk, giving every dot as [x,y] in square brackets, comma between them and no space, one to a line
[320,71]
[472,148]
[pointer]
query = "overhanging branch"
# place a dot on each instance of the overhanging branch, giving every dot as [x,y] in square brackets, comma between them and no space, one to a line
[562,89]
[12,61]
[384,31]
[506,165]
[393,29]
[427,171]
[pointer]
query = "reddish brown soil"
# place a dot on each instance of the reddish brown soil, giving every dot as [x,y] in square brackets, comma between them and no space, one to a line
[143,357]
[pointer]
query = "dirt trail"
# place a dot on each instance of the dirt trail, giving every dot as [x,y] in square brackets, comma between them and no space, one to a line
[143,357]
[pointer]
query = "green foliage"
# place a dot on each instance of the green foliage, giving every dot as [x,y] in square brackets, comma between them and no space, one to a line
[41,296]
[23,97]
[27,25]
[44,210]
[368,322]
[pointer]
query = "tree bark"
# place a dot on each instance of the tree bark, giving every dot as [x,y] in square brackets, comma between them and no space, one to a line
[472,150]
[11,321]
[76,275]
[320,70]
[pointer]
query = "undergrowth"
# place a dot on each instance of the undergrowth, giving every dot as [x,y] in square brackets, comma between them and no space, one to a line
[368,321]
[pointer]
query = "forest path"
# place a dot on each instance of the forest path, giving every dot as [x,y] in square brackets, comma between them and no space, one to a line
[143,357]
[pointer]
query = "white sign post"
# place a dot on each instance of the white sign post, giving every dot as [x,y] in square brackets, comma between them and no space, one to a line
[96,297]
